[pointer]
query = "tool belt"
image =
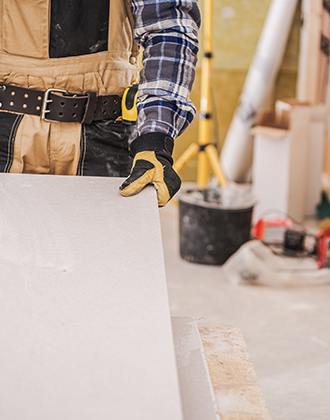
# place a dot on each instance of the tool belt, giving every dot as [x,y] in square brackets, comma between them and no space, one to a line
[58,105]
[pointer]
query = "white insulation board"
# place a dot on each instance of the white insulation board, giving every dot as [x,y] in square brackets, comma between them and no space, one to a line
[85,330]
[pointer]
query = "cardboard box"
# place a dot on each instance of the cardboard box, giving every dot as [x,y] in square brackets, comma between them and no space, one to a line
[288,158]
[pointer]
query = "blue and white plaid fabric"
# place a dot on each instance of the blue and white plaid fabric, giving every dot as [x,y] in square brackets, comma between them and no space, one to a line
[168,32]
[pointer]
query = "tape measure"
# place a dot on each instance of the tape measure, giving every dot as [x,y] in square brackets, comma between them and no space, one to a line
[129,104]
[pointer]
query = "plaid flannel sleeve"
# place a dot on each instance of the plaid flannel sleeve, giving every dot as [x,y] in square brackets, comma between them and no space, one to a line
[168,32]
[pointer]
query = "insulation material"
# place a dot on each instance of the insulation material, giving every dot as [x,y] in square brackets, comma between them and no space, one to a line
[85,330]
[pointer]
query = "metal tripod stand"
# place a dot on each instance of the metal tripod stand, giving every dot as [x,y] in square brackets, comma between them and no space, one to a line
[205,149]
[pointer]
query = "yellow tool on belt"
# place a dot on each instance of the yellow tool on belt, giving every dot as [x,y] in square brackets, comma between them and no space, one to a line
[129,104]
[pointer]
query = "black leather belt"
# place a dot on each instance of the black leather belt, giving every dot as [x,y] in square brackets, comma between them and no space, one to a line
[59,105]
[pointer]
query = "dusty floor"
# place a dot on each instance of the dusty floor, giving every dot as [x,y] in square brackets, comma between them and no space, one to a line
[287,330]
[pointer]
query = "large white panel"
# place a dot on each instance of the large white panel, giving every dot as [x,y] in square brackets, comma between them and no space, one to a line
[84,321]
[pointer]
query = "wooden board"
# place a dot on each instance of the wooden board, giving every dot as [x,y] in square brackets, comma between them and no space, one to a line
[310,54]
[314,69]
[234,381]
[85,330]
[327,144]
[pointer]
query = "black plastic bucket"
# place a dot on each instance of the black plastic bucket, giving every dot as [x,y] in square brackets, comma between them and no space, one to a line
[210,233]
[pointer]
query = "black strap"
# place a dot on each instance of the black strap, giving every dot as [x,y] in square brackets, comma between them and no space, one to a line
[59,105]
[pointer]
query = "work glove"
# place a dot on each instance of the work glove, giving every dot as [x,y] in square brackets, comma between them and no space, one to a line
[152,164]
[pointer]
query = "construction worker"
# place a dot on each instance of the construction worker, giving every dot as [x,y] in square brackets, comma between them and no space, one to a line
[68,75]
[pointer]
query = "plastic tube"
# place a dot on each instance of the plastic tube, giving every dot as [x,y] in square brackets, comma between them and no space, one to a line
[236,157]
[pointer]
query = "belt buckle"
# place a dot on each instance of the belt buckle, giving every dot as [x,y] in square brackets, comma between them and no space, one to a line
[46,101]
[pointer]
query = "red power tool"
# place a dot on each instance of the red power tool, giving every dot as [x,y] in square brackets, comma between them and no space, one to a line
[291,239]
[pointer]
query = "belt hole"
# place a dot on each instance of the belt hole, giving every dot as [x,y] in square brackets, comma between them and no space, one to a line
[60,114]
[3,87]
[62,104]
[74,115]
[24,106]
[75,105]
[26,95]
[0,104]
[13,93]
[39,98]
[105,102]
[11,103]
[38,108]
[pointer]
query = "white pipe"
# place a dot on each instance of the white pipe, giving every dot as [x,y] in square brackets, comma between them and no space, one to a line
[236,157]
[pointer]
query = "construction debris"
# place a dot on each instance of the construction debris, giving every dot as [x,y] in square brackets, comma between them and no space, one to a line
[256,264]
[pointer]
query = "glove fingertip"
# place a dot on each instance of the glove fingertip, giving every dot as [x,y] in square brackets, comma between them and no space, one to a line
[124,185]
[124,193]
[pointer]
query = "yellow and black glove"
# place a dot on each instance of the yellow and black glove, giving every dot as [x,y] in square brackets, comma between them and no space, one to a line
[152,165]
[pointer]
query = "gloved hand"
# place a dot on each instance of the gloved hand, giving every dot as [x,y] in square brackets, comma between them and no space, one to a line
[152,165]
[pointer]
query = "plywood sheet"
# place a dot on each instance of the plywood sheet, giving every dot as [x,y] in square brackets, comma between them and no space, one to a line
[85,330]
[233,377]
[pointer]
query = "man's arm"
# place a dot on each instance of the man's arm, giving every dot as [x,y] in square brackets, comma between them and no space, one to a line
[168,32]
